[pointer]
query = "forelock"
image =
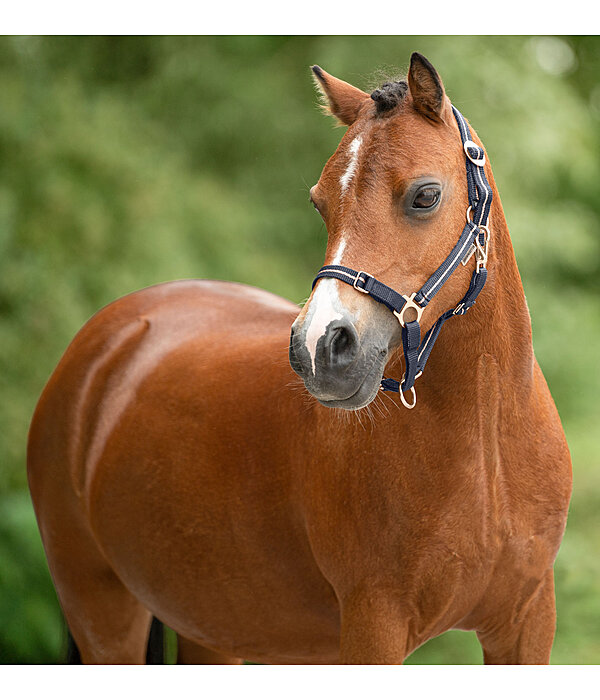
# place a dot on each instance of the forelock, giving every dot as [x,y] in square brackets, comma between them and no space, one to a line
[389,95]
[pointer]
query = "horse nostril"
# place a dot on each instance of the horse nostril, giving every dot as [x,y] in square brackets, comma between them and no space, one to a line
[340,341]
[343,345]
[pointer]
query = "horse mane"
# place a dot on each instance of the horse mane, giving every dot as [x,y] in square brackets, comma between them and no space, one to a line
[389,95]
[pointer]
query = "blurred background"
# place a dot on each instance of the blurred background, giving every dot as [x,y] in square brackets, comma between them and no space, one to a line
[125,162]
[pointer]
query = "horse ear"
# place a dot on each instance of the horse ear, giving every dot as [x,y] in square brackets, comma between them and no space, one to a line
[345,101]
[427,90]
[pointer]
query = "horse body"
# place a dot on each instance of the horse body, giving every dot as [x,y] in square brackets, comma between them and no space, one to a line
[179,469]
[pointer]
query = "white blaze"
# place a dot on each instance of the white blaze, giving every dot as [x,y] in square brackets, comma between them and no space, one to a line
[351,169]
[324,313]
[325,305]
[337,258]
[325,308]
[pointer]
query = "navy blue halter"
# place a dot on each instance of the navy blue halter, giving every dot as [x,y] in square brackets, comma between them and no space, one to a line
[475,238]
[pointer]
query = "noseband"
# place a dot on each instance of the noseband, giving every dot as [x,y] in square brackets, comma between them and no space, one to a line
[475,238]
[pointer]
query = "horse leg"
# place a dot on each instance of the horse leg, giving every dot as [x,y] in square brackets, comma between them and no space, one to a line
[372,630]
[108,625]
[192,653]
[528,638]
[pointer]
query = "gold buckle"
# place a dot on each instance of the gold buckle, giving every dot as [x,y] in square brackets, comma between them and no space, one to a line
[360,289]
[410,304]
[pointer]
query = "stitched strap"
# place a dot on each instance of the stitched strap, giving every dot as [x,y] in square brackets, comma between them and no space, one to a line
[435,282]
[411,338]
[480,194]
[364,282]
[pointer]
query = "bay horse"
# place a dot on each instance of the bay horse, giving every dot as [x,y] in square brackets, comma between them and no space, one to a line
[180,469]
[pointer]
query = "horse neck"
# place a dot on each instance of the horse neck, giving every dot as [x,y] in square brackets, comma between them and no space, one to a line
[498,325]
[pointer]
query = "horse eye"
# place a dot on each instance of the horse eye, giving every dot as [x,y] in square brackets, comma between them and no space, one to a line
[426,198]
[315,205]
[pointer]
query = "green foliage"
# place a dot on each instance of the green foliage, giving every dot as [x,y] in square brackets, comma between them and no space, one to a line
[129,161]
[31,627]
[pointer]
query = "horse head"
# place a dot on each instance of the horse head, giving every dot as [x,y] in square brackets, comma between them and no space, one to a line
[393,197]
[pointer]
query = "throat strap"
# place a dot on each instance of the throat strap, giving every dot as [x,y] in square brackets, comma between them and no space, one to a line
[473,240]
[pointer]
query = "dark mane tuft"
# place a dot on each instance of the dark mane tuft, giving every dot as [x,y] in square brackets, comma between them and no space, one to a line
[389,95]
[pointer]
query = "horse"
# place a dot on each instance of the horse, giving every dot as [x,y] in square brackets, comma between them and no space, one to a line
[211,455]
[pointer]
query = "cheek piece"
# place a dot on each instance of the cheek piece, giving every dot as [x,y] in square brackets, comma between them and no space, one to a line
[474,239]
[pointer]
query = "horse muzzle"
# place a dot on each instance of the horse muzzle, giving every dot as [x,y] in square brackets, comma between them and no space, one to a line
[336,368]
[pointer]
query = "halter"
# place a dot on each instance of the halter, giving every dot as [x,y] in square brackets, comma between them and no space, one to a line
[474,239]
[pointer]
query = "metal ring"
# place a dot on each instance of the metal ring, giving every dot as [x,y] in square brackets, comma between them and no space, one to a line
[409,303]
[469,219]
[404,401]
[479,226]
[476,161]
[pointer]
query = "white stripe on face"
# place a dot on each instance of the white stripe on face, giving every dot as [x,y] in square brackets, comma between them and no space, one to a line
[337,258]
[325,308]
[351,169]
[324,302]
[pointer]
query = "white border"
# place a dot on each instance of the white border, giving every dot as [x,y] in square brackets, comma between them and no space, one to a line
[323,17]
[300,682]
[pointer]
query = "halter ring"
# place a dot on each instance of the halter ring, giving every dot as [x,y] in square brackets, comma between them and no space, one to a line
[410,303]
[414,398]
[412,389]
[470,220]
